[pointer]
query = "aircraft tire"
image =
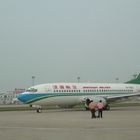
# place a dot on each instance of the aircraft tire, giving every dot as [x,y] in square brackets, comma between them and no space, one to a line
[107,107]
[39,110]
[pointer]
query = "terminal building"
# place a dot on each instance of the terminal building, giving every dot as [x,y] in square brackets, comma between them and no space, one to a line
[9,97]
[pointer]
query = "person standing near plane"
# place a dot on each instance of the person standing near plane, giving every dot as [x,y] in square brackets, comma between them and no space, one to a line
[100,107]
[92,106]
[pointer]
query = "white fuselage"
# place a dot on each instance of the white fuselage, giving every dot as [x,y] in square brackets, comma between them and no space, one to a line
[70,94]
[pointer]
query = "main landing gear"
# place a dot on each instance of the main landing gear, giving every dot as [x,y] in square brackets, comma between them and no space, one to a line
[107,107]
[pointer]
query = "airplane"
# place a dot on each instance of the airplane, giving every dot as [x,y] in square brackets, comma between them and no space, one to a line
[71,94]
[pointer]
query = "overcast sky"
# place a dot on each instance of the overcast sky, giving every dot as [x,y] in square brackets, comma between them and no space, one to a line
[59,40]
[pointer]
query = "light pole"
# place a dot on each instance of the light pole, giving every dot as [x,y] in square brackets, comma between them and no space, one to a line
[117,79]
[78,78]
[33,80]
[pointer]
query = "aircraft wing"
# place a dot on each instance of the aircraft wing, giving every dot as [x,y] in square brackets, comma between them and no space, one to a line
[121,97]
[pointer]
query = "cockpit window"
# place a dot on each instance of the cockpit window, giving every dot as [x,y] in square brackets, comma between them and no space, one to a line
[31,90]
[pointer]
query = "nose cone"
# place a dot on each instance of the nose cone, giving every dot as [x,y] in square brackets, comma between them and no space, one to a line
[22,97]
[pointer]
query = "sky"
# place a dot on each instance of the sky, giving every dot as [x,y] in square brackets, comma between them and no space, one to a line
[60,40]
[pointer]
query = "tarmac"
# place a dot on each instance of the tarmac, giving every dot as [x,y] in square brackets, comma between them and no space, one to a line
[116,124]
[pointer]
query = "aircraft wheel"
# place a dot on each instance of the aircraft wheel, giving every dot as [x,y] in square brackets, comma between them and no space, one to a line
[107,107]
[87,108]
[39,110]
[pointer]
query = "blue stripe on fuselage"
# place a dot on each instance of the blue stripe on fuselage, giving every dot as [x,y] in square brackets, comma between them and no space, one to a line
[29,97]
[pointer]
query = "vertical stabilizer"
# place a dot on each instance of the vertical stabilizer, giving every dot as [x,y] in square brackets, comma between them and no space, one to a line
[134,81]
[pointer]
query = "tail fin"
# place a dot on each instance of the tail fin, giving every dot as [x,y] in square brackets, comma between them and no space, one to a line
[134,81]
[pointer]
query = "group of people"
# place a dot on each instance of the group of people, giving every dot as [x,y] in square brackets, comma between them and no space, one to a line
[95,106]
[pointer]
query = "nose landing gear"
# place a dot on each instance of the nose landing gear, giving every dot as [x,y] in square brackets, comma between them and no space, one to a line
[37,107]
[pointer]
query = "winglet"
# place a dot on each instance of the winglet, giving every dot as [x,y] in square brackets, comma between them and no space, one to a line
[134,81]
